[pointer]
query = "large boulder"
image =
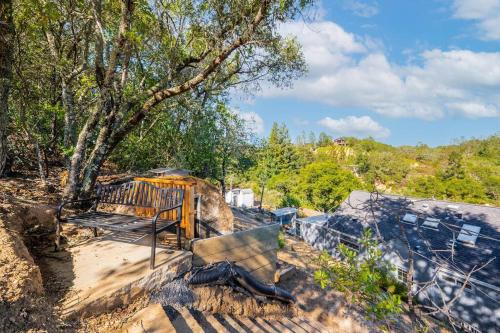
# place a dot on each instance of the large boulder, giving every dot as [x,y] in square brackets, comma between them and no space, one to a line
[214,209]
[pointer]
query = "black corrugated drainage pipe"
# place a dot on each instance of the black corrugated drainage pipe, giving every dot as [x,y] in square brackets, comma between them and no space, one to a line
[225,272]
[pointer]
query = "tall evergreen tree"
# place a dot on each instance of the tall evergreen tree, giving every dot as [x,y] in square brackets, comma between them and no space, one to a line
[280,149]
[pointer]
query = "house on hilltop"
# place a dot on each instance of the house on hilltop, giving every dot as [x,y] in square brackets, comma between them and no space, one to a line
[455,249]
[340,142]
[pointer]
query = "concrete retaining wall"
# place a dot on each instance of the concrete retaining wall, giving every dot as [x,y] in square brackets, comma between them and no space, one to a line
[255,250]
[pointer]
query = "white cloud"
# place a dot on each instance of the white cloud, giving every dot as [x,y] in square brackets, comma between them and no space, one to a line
[253,121]
[355,126]
[475,110]
[350,71]
[485,12]
[361,8]
[325,44]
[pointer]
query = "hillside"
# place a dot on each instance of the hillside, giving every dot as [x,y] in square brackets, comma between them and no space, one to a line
[319,175]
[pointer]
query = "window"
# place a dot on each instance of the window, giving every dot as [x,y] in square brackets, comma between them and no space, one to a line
[351,243]
[402,274]
[410,218]
[468,234]
[431,223]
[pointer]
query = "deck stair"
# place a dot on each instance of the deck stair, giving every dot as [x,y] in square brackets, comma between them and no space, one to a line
[156,318]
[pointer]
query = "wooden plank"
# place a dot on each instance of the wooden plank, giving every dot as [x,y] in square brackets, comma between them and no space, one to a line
[226,242]
[234,324]
[279,325]
[236,254]
[265,325]
[216,324]
[190,321]
[169,180]
[190,213]
[248,322]
[302,323]
[292,326]
[150,319]
[187,209]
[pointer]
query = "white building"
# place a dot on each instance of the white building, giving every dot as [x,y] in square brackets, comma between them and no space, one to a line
[240,197]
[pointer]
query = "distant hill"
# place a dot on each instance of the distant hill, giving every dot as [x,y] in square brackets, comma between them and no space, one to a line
[468,171]
[320,175]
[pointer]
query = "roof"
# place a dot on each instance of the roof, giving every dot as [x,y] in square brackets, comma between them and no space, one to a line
[317,219]
[284,211]
[242,190]
[170,172]
[361,209]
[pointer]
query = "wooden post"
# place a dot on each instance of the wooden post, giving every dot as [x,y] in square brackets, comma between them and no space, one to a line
[190,211]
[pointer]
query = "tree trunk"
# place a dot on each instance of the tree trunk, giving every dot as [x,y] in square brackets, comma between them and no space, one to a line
[96,159]
[72,189]
[82,176]
[69,115]
[6,38]
[261,195]
[223,178]
[223,187]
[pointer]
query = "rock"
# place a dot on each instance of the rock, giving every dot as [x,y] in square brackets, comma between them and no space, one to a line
[214,209]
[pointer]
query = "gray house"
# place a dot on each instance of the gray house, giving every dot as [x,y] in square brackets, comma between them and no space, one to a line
[448,241]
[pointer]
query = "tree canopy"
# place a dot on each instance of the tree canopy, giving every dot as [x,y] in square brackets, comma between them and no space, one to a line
[322,175]
[116,69]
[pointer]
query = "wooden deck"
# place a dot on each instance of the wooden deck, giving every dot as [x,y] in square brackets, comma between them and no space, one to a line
[118,222]
[156,318]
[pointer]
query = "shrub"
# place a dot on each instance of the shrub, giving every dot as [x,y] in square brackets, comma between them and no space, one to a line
[365,278]
[281,239]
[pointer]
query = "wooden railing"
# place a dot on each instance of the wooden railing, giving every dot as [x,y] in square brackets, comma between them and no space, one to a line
[188,208]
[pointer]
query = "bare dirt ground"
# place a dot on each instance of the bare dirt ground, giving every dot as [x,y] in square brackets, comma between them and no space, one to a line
[29,291]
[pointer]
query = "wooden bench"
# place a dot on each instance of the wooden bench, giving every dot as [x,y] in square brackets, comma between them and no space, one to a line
[166,201]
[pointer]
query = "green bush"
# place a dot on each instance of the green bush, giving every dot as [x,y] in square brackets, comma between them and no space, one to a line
[365,279]
[281,239]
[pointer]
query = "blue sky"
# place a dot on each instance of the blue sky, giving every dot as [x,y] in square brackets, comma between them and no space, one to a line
[403,72]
